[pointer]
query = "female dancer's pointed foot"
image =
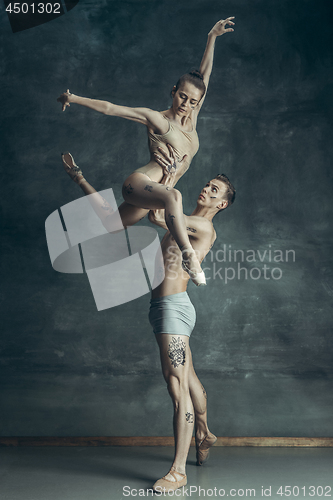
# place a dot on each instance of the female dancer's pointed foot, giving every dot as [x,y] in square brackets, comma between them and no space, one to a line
[203,447]
[198,279]
[191,265]
[74,172]
[171,481]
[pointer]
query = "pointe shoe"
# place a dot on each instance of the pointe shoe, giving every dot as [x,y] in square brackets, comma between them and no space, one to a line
[198,279]
[71,168]
[203,448]
[168,485]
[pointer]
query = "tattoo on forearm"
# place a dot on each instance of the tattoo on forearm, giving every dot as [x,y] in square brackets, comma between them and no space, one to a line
[171,218]
[106,206]
[176,352]
[204,392]
[167,188]
[189,417]
[128,189]
[148,188]
[191,229]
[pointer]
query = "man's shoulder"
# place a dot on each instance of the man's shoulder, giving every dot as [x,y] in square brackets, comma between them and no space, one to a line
[201,224]
[202,221]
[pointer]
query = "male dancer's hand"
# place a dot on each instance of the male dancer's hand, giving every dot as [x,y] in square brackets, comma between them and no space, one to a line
[168,161]
[170,165]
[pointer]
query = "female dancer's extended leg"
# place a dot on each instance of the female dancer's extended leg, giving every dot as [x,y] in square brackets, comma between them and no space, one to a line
[141,195]
[140,191]
[129,214]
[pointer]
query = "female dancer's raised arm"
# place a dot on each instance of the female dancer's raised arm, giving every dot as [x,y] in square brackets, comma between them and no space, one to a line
[207,60]
[206,65]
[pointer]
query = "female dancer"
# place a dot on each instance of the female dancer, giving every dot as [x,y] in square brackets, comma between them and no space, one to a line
[142,190]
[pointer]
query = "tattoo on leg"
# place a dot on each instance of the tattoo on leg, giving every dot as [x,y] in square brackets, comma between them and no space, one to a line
[171,217]
[189,417]
[176,352]
[148,188]
[128,189]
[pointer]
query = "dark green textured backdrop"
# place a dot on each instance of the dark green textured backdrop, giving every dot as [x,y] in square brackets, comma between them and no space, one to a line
[262,348]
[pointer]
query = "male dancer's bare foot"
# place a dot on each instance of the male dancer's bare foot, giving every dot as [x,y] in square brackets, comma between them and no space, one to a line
[74,172]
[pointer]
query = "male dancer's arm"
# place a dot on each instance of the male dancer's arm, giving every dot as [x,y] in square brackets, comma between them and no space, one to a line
[197,227]
[168,180]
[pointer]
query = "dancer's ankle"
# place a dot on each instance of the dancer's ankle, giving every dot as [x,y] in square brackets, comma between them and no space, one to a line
[179,469]
[188,253]
[74,172]
[201,433]
[189,256]
[80,181]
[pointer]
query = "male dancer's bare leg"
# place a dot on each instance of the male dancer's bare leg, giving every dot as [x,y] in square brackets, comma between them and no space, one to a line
[174,351]
[203,437]
[189,400]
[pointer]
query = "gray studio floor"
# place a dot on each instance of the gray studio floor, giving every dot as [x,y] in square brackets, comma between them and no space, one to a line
[114,473]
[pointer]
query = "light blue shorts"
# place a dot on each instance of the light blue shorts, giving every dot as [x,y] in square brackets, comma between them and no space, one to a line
[172,314]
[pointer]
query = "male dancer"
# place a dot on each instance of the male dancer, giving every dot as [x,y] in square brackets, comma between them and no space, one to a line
[172,314]
[172,317]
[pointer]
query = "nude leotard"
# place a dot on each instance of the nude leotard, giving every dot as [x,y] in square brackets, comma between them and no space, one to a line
[183,142]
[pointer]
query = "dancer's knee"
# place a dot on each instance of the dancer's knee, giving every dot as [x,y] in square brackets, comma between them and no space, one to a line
[174,196]
[107,221]
[111,223]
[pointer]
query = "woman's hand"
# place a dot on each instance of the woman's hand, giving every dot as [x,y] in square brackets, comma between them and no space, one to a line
[220,27]
[65,99]
[168,161]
